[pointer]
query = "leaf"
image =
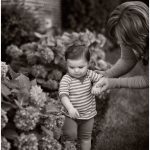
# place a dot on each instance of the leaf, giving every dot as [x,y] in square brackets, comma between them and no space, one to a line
[12,73]
[7,105]
[18,104]
[10,134]
[23,96]
[51,108]
[57,133]
[49,132]
[5,90]
[12,84]
[24,81]
[33,82]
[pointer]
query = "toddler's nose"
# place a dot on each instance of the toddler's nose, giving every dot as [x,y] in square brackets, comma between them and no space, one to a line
[76,70]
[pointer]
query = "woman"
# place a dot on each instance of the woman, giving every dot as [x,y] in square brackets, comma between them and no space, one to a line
[129,24]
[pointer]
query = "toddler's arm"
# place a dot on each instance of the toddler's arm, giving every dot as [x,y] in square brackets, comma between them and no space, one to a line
[73,113]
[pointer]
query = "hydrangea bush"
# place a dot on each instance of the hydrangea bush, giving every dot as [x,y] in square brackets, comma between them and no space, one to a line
[28,115]
[44,60]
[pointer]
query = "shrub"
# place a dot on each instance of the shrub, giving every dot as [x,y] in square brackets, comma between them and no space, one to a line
[17,26]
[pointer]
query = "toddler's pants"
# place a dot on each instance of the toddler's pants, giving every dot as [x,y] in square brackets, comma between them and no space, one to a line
[76,128]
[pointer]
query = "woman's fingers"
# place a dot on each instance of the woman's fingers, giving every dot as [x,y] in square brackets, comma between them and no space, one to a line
[100,72]
[100,83]
[104,88]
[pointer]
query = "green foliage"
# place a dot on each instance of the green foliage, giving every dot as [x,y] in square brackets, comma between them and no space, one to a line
[17,26]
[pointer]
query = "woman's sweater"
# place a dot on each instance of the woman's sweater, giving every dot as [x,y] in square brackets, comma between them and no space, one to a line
[126,63]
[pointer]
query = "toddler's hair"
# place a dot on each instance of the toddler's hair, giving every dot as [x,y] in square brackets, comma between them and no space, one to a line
[130,21]
[77,51]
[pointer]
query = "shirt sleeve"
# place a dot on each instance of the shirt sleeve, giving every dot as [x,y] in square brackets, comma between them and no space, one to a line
[137,82]
[126,62]
[94,76]
[64,85]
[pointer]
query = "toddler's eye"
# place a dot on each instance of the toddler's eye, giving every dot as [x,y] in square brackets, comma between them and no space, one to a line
[80,67]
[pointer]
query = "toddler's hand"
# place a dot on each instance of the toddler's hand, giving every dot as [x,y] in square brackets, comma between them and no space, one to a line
[73,113]
[95,90]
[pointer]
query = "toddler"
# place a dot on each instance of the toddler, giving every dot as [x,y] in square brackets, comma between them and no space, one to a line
[75,92]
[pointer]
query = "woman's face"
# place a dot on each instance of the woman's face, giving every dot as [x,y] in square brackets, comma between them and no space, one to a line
[77,68]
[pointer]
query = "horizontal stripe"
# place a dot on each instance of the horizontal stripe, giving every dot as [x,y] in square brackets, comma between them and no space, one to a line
[80,93]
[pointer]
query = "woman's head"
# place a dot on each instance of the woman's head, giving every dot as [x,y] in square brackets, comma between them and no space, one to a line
[77,57]
[129,23]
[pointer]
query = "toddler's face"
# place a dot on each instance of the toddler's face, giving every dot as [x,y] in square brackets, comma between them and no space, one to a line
[77,68]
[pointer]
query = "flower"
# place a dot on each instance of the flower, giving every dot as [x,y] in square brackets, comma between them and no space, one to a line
[55,75]
[69,145]
[13,51]
[27,142]
[38,97]
[49,143]
[26,118]
[50,122]
[4,69]
[46,53]
[5,145]
[39,71]
[4,118]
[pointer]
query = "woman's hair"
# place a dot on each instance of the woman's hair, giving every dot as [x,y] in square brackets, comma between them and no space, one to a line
[130,23]
[77,51]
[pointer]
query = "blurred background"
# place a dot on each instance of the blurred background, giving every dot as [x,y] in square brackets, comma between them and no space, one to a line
[34,37]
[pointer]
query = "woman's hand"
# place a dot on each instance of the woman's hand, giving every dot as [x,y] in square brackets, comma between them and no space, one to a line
[100,72]
[73,113]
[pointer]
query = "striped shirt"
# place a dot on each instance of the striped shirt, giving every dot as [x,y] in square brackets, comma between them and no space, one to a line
[79,93]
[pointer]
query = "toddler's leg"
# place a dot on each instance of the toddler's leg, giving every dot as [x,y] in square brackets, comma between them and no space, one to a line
[85,132]
[70,129]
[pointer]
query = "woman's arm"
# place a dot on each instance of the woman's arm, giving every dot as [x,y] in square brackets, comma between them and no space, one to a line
[137,82]
[124,64]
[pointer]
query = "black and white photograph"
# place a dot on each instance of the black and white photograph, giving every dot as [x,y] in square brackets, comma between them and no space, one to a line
[74,75]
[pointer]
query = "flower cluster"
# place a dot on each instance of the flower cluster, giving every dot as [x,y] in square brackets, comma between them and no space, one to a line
[27,142]
[32,58]
[69,145]
[47,55]
[55,75]
[52,84]
[29,47]
[50,122]
[26,118]
[13,51]
[4,69]
[5,145]
[47,142]
[39,71]
[60,120]
[37,96]
[4,118]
